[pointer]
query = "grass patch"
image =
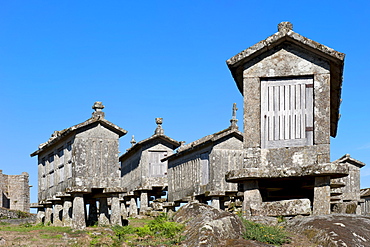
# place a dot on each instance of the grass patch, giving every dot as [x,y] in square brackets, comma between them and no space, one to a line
[48,236]
[28,228]
[158,231]
[266,234]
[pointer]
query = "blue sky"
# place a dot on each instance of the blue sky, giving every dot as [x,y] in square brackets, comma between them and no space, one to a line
[147,59]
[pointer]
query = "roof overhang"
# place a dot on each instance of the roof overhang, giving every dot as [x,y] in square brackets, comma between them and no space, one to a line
[138,145]
[59,135]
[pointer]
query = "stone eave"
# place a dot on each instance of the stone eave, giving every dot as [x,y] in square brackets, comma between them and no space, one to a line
[138,145]
[335,58]
[348,159]
[365,192]
[334,170]
[60,135]
[207,140]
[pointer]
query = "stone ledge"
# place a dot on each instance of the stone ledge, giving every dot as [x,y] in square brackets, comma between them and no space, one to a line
[334,170]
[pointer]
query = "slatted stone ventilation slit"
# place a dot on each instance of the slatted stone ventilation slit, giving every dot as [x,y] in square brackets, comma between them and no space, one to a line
[204,160]
[286,112]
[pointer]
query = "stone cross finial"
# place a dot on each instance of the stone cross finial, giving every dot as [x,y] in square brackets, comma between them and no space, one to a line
[159,130]
[233,119]
[285,27]
[98,106]
[133,142]
[234,111]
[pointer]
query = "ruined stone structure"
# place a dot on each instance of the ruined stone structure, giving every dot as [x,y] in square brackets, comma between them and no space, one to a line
[197,170]
[143,173]
[292,88]
[79,166]
[15,191]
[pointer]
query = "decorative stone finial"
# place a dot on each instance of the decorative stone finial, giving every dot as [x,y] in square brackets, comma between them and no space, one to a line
[233,119]
[98,107]
[133,142]
[159,130]
[285,27]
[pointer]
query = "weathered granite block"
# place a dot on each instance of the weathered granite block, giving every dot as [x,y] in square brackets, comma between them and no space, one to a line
[286,208]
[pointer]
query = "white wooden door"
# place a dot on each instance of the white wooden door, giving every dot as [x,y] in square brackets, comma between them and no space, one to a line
[286,112]
[156,167]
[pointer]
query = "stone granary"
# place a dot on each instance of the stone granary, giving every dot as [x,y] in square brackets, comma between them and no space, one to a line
[79,166]
[365,201]
[345,191]
[292,92]
[143,173]
[15,191]
[197,170]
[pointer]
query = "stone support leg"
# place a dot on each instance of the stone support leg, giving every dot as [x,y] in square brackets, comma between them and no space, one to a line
[124,210]
[67,213]
[48,214]
[321,198]
[57,214]
[215,202]
[40,215]
[143,202]
[252,202]
[115,217]
[133,208]
[103,219]
[93,213]
[78,212]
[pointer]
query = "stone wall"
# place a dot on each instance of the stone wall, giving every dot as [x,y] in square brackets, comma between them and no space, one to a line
[19,192]
[95,158]
[56,173]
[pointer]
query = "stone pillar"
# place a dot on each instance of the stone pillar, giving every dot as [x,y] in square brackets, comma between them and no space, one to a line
[40,215]
[358,209]
[93,213]
[215,202]
[115,217]
[252,202]
[133,208]
[67,212]
[124,210]
[103,219]
[143,202]
[78,212]
[321,197]
[48,214]
[57,214]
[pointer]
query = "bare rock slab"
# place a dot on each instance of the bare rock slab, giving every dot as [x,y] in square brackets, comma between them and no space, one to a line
[208,226]
[334,230]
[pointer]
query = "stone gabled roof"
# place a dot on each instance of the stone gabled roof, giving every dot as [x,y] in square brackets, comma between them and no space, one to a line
[231,131]
[286,34]
[97,117]
[154,137]
[348,159]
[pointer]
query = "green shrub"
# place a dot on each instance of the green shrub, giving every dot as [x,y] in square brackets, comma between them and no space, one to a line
[121,231]
[267,234]
[158,230]
[21,214]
